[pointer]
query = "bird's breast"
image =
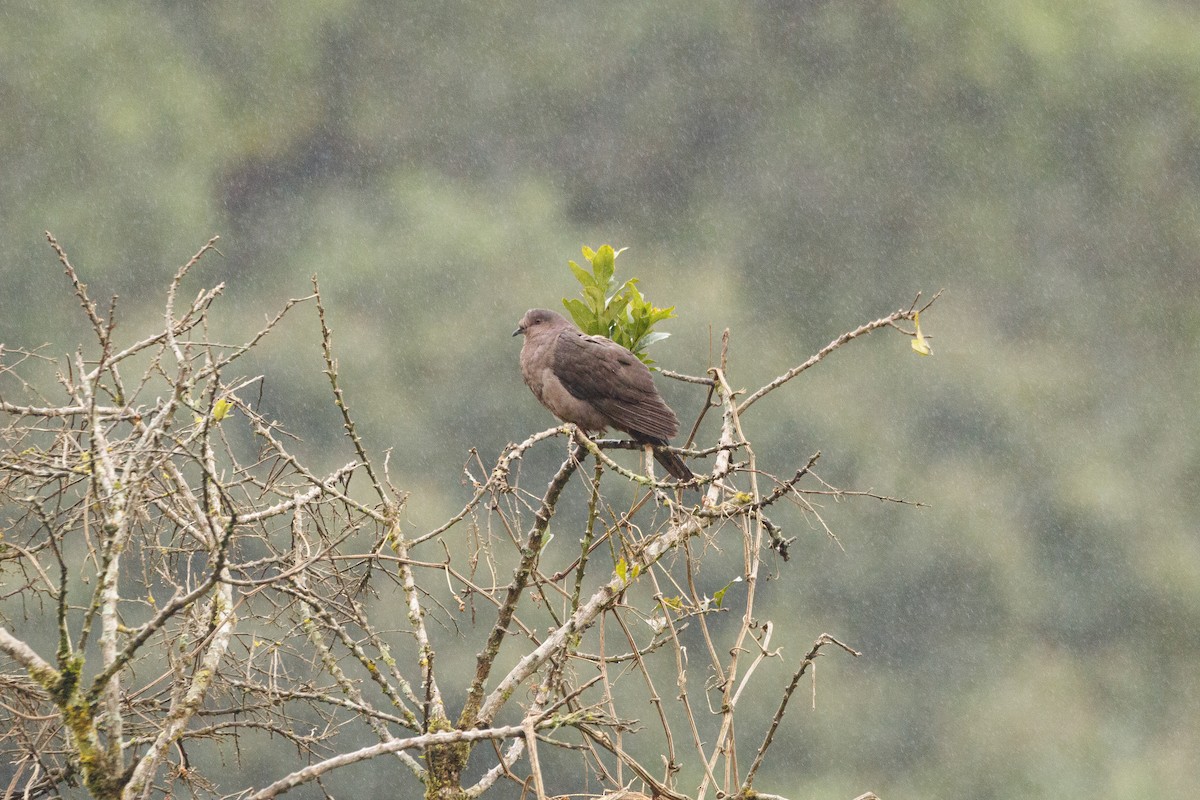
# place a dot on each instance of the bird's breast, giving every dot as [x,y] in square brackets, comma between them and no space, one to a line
[566,406]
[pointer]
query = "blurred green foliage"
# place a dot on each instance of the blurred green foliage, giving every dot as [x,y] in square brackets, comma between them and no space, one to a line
[787,170]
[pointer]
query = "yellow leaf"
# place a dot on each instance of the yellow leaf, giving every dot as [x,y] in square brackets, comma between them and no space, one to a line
[221,409]
[918,343]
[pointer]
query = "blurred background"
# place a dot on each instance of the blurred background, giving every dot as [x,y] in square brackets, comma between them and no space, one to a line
[788,170]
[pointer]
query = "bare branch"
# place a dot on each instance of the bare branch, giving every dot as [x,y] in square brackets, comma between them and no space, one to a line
[805,663]
[38,668]
[883,322]
[424,741]
[207,585]
[472,715]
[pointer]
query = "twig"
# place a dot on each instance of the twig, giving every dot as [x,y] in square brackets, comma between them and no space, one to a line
[424,741]
[807,661]
[473,714]
[862,330]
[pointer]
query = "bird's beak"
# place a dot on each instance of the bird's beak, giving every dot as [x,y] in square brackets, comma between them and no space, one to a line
[518,330]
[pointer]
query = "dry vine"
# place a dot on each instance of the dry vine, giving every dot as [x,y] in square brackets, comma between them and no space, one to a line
[177,586]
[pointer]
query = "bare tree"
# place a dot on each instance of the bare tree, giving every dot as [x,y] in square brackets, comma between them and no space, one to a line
[175,580]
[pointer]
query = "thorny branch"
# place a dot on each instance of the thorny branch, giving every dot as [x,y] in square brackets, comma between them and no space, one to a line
[890,321]
[805,663]
[203,583]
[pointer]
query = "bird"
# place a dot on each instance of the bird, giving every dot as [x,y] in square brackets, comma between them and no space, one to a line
[595,384]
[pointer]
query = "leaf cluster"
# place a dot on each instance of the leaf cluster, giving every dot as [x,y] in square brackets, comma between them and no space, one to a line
[622,314]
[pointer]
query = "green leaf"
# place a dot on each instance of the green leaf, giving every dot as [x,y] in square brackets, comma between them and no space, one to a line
[651,338]
[604,265]
[595,297]
[624,314]
[580,313]
[719,595]
[623,293]
[615,309]
[674,603]
[582,275]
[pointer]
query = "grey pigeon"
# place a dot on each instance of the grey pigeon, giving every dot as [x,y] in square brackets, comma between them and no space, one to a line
[595,383]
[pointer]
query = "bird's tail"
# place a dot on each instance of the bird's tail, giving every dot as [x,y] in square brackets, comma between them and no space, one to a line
[673,464]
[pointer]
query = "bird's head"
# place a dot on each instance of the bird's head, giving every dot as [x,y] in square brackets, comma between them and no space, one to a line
[539,318]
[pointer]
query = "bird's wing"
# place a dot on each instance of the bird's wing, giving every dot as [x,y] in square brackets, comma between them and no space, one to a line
[601,372]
